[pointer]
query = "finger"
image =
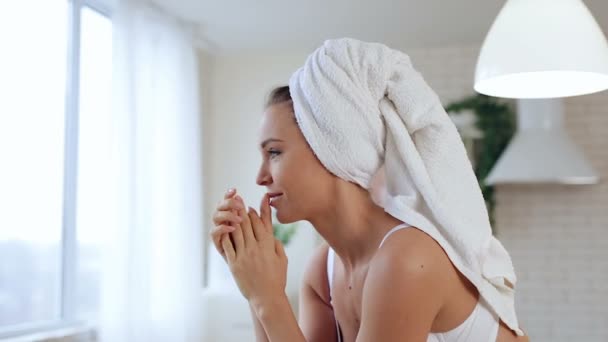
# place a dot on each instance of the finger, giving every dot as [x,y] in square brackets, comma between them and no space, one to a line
[256,222]
[226,217]
[216,235]
[229,204]
[231,192]
[266,212]
[246,224]
[218,231]
[221,229]
[228,248]
[239,239]
[279,249]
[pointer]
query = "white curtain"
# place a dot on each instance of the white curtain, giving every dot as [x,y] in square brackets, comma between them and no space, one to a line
[152,274]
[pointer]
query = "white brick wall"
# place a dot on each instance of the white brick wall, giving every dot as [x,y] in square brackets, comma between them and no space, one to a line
[557,235]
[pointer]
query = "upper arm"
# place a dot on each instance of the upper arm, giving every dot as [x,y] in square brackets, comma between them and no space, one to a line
[402,293]
[316,317]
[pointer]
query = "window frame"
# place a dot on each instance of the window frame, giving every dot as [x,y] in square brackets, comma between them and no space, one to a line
[67,323]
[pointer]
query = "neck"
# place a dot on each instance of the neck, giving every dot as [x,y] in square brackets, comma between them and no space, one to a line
[354,225]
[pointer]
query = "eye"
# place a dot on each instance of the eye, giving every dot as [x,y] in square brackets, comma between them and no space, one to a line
[273,153]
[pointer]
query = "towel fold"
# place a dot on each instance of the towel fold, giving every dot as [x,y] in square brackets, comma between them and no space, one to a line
[364,109]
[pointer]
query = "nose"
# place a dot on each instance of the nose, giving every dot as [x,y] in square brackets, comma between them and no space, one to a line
[263,178]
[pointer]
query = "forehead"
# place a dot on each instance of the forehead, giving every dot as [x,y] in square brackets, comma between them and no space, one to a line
[277,122]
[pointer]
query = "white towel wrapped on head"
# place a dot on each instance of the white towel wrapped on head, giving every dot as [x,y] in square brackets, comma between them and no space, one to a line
[362,107]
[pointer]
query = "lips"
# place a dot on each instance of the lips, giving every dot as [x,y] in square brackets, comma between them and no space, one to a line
[273,197]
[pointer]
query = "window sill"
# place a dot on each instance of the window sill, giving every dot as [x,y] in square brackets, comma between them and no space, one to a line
[80,333]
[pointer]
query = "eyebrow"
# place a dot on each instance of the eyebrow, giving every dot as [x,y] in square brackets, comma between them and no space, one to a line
[265,142]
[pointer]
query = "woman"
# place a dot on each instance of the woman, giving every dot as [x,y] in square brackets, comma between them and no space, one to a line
[390,282]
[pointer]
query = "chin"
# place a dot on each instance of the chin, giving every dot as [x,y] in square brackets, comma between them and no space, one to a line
[285,218]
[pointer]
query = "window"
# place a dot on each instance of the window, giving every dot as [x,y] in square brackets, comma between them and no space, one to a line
[54,106]
[93,151]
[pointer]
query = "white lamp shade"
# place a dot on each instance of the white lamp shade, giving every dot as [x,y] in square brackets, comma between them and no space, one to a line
[543,49]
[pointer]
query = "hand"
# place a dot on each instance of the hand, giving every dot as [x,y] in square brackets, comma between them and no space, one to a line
[257,260]
[226,219]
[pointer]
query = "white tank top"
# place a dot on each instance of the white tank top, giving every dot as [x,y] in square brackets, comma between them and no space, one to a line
[481,325]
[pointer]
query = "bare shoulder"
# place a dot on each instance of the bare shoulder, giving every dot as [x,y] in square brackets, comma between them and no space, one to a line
[316,317]
[412,256]
[315,273]
[414,253]
[410,267]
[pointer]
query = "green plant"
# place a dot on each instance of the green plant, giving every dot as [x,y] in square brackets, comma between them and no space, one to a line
[496,120]
[283,232]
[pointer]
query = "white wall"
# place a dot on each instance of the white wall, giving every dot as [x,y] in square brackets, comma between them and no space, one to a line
[557,235]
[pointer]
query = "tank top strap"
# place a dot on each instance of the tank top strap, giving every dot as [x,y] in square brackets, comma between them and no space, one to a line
[401,226]
[330,272]
[330,268]
[331,255]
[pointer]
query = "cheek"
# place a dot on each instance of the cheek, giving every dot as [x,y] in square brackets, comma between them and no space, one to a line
[311,180]
[284,169]
[301,176]
[279,172]
[289,176]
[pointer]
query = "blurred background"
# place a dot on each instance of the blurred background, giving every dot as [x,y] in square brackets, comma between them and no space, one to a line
[122,124]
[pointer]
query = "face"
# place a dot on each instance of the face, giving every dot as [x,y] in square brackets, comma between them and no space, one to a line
[290,168]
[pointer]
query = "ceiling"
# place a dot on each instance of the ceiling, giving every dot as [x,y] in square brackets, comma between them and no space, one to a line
[231,26]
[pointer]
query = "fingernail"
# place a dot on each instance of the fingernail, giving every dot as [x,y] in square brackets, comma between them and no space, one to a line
[231,190]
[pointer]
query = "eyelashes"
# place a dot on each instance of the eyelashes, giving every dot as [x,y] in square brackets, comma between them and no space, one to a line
[273,153]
